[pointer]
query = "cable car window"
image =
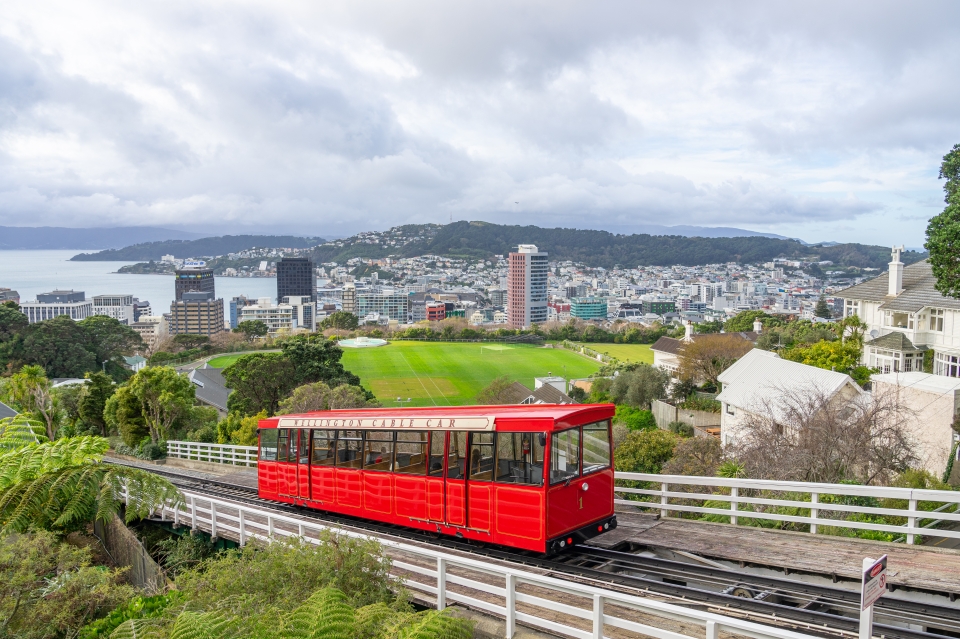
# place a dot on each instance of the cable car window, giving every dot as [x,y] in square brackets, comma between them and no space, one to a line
[268,444]
[564,455]
[437,447]
[304,446]
[596,446]
[324,447]
[481,457]
[520,458]
[411,452]
[349,445]
[378,450]
[457,456]
[283,444]
[293,446]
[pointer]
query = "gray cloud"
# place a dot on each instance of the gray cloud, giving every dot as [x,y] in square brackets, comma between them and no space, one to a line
[334,117]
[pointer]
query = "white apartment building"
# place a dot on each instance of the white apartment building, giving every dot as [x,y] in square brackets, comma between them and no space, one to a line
[151,328]
[907,319]
[71,303]
[527,286]
[281,317]
[119,307]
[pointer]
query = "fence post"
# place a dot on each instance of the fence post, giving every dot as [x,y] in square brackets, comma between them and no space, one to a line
[243,535]
[511,605]
[814,512]
[911,521]
[664,487]
[270,527]
[598,617]
[193,512]
[713,631]
[442,583]
[213,520]
[734,506]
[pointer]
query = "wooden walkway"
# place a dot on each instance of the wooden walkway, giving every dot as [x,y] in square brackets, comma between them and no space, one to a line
[923,567]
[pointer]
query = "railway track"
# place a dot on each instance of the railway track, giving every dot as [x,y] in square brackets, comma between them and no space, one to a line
[811,608]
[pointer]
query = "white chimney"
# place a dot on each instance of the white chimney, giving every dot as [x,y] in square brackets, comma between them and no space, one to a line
[895,284]
[688,334]
[757,326]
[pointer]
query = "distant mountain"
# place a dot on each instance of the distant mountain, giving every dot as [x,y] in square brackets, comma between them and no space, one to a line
[57,237]
[703,231]
[205,247]
[480,240]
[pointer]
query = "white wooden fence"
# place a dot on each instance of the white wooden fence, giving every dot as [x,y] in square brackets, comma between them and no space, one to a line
[216,453]
[558,606]
[804,503]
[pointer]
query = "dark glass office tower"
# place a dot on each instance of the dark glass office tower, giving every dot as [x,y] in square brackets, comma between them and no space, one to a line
[194,280]
[295,276]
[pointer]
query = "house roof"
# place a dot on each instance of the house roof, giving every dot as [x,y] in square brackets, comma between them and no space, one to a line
[517,393]
[918,291]
[939,384]
[6,411]
[894,341]
[211,386]
[760,376]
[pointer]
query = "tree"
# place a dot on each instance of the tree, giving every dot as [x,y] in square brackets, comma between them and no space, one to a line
[644,451]
[696,456]
[123,413]
[93,401]
[12,321]
[823,309]
[318,396]
[943,230]
[706,356]
[58,345]
[109,341]
[259,381]
[251,329]
[30,389]
[743,321]
[239,430]
[48,587]
[838,356]
[341,320]
[634,418]
[63,485]
[496,392]
[317,359]
[639,387]
[805,434]
[163,397]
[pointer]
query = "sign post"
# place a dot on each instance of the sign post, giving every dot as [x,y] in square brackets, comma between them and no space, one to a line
[873,587]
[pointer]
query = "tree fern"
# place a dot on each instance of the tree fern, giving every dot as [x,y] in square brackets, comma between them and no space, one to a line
[19,431]
[433,624]
[195,625]
[137,629]
[61,485]
[325,615]
[372,619]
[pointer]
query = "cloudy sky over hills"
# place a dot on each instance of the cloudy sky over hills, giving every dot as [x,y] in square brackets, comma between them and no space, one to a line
[825,121]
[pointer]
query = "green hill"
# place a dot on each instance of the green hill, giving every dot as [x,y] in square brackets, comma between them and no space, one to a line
[204,247]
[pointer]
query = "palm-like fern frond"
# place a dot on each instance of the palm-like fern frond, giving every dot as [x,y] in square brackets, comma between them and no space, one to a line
[372,619]
[60,485]
[196,625]
[19,431]
[433,624]
[137,629]
[325,615]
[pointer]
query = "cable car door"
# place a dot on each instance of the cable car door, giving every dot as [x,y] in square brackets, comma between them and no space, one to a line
[456,489]
[435,481]
[303,465]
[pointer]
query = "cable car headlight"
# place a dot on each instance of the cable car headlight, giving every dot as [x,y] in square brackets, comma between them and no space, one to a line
[585,486]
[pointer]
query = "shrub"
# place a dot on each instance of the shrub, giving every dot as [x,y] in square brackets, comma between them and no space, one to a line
[634,418]
[681,428]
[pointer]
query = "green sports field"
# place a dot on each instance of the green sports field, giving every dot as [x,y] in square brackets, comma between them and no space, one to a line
[625,352]
[449,373]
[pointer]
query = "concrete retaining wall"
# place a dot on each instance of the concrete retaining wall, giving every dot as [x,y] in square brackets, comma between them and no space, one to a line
[665,413]
[126,550]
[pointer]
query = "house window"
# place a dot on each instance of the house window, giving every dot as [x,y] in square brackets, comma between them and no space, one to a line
[936,320]
[852,308]
[730,409]
[946,365]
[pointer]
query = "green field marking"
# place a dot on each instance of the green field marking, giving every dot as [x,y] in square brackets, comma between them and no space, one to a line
[496,347]
[624,352]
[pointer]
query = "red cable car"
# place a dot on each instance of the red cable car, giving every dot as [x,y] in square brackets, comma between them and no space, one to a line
[537,477]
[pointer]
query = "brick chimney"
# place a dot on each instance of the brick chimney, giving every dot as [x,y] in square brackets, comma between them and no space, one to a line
[895,284]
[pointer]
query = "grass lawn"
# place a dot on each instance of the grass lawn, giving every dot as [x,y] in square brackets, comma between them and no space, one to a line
[625,352]
[449,373]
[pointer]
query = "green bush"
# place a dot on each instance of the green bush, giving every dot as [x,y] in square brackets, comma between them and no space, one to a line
[681,428]
[136,608]
[634,418]
[696,402]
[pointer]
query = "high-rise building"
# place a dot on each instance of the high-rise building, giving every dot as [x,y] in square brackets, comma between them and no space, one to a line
[527,286]
[304,311]
[195,279]
[119,307]
[196,313]
[236,306]
[349,298]
[8,295]
[296,276]
[73,304]
[392,305]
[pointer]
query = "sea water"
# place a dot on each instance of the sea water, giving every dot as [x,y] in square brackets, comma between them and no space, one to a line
[33,272]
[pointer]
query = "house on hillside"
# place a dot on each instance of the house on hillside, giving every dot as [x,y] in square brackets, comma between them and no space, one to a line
[517,393]
[666,350]
[762,381]
[907,320]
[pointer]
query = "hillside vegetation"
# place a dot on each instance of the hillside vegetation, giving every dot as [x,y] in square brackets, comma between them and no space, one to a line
[207,246]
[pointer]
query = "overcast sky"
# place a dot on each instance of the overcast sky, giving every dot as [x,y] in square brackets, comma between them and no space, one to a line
[825,121]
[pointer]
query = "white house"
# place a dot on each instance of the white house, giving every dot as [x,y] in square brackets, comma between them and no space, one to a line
[907,319]
[760,380]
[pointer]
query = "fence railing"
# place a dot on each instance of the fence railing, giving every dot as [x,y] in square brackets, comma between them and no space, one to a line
[803,503]
[216,453]
[516,595]
[740,500]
